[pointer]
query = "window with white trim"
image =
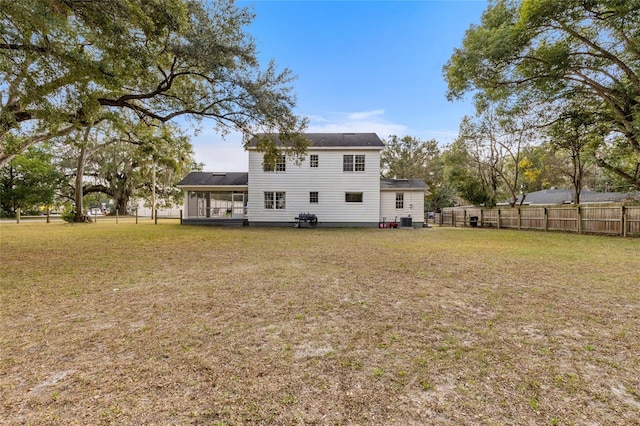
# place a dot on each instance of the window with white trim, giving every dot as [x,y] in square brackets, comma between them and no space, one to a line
[275,200]
[313,197]
[268,200]
[399,200]
[353,197]
[280,165]
[313,160]
[347,163]
[351,163]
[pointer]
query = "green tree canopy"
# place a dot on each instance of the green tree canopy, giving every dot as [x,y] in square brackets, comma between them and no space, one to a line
[64,64]
[30,181]
[126,168]
[470,179]
[550,51]
[123,158]
[412,158]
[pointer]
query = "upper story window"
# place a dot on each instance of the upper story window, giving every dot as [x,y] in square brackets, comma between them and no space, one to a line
[351,163]
[280,166]
[347,163]
[313,160]
[399,200]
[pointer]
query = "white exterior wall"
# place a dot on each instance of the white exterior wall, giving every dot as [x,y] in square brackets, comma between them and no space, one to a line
[413,205]
[327,179]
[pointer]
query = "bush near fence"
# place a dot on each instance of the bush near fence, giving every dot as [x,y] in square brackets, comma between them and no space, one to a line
[601,219]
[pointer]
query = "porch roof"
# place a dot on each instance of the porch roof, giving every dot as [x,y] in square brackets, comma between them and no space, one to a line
[215,179]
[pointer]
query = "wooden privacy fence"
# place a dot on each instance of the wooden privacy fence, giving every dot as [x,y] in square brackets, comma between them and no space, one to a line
[607,220]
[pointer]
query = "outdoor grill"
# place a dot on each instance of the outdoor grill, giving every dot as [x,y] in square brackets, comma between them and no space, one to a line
[309,218]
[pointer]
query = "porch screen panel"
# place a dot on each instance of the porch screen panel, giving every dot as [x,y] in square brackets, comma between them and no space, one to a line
[220,204]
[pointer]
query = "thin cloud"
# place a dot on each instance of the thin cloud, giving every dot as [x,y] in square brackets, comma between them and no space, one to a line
[227,154]
[355,122]
[364,114]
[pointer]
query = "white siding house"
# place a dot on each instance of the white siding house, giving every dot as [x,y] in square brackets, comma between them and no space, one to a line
[338,181]
[335,196]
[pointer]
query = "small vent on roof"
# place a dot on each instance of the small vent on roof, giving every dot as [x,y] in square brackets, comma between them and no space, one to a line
[218,174]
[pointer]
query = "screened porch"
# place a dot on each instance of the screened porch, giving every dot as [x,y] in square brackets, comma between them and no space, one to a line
[216,205]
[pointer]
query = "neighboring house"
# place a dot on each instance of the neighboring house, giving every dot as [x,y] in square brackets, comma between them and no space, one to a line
[338,181]
[565,196]
[142,209]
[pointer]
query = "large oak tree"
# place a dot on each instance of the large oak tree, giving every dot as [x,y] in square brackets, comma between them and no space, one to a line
[551,51]
[66,63]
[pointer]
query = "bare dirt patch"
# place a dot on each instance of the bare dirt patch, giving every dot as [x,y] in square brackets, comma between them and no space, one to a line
[144,324]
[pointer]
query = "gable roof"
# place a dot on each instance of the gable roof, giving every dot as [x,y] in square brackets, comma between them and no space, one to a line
[390,184]
[215,179]
[565,196]
[331,140]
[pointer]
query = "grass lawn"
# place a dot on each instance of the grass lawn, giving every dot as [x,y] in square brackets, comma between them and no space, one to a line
[166,324]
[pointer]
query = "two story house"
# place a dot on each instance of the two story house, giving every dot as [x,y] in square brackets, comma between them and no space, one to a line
[338,181]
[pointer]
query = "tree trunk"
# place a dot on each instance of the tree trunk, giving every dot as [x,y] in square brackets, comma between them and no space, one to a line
[578,172]
[78,193]
[121,204]
[153,190]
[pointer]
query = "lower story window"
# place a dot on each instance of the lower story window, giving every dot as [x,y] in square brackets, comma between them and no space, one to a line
[275,200]
[353,197]
[399,200]
[313,197]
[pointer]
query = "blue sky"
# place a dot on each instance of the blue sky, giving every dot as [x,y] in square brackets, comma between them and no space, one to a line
[362,66]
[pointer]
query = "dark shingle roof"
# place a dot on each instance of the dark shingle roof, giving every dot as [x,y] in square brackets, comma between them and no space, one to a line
[403,184]
[215,179]
[565,196]
[334,140]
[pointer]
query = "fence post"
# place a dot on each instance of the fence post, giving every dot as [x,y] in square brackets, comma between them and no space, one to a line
[155,216]
[180,216]
[481,217]
[498,217]
[18,215]
[136,215]
[623,220]
[546,219]
[464,218]
[116,217]
[519,218]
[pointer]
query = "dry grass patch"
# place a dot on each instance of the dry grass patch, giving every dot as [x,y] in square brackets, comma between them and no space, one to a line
[132,324]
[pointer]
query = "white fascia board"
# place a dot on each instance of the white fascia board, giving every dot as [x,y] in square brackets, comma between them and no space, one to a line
[426,191]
